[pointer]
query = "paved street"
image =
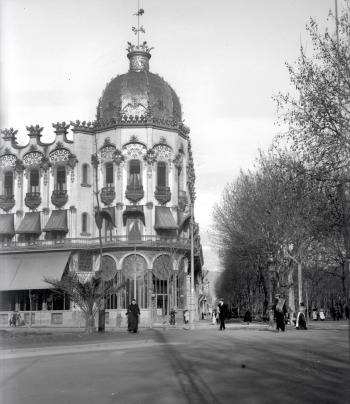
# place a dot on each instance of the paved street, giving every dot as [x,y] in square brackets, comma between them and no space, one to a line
[239,365]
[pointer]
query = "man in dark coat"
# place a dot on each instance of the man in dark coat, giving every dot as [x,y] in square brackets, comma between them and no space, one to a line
[223,311]
[133,316]
[280,311]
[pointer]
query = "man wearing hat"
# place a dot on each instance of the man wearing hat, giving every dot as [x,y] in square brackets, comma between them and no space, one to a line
[133,316]
[223,311]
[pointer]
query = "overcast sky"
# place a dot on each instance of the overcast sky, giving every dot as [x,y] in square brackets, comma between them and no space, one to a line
[225,59]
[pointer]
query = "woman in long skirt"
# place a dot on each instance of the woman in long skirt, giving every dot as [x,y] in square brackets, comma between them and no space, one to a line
[133,316]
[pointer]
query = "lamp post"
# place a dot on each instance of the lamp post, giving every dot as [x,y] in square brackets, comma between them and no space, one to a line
[192,272]
[272,291]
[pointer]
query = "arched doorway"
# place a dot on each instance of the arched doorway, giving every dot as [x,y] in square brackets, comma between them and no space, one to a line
[163,293]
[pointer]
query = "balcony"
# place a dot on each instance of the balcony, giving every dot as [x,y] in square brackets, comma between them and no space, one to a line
[59,197]
[93,243]
[183,200]
[162,194]
[107,195]
[7,202]
[134,193]
[32,200]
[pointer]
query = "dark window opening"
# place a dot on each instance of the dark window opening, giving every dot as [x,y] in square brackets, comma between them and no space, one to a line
[34,181]
[161,174]
[135,174]
[9,184]
[85,174]
[61,179]
[109,175]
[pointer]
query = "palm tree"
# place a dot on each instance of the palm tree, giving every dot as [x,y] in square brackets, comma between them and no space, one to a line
[88,294]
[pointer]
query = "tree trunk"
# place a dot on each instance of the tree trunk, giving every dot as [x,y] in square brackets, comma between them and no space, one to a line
[89,322]
[291,294]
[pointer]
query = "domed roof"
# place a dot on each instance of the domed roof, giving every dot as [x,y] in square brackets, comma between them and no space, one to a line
[139,92]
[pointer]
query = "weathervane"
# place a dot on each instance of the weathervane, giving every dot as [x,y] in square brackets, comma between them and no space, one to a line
[136,31]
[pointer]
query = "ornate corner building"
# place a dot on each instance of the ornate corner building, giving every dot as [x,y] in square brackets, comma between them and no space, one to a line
[136,159]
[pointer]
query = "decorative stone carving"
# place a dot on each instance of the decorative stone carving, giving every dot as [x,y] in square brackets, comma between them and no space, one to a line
[7,202]
[150,157]
[118,157]
[162,194]
[61,128]
[60,155]
[134,150]
[149,205]
[33,159]
[107,195]
[8,161]
[163,152]
[119,205]
[32,200]
[183,201]
[107,152]
[34,131]
[46,211]
[9,134]
[59,197]
[178,161]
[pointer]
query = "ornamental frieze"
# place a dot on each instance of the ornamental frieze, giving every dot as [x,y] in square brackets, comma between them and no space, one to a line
[8,161]
[60,156]
[163,152]
[33,159]
[134,150]
[107,152]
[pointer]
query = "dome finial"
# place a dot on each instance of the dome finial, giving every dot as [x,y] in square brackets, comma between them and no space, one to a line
[139,55]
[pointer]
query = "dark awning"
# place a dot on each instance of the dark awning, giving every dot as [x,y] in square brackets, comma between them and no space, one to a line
[30,224]
[57,221]
[135,211]
[111,211]
[184,222]
[27,271]
[164,219]
[7,224]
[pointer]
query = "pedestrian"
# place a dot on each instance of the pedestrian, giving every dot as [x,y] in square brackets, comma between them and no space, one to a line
[322,315]
[186,316]
[222,309]
[172,316]
[301,320]
[347,312]
[247,317]
[213,318]
[133,316]
[13,319]
[280,311]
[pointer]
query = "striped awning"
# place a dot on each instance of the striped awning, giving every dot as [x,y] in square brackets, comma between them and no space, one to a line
[164,219]
[134,211]
[30,224]
[57,221]
[7,226]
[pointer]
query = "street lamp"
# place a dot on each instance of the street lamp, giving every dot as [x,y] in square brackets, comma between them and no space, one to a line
[192,271]
[272,291]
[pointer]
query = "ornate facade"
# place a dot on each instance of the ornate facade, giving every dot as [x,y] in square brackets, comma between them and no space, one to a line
[136,159]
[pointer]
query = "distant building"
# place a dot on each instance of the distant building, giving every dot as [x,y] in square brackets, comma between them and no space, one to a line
[145,176]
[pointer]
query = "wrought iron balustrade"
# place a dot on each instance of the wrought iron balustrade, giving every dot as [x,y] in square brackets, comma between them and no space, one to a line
[93,242]
[107,195]
[32,200]
[59,197]
[7,202]
[162,194]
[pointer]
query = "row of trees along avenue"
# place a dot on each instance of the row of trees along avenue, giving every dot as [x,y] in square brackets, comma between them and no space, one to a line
[285,227]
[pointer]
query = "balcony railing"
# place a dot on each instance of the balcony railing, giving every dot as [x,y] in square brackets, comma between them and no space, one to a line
[107,195]
[162,194]
[134,193]
[78,243]
[59,197]
[32,200]
[7,202]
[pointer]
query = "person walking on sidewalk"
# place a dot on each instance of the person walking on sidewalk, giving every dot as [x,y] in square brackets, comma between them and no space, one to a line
[133,316]
[223,310]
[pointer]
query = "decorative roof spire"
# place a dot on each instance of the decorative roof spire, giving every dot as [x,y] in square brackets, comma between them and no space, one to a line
[139,55]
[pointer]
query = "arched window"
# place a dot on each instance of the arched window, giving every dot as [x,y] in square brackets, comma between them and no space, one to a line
[109,175]
[85,174]
[34,181]
[135,174]
[161,174]
[61,178]
[8,184]
[84,222]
